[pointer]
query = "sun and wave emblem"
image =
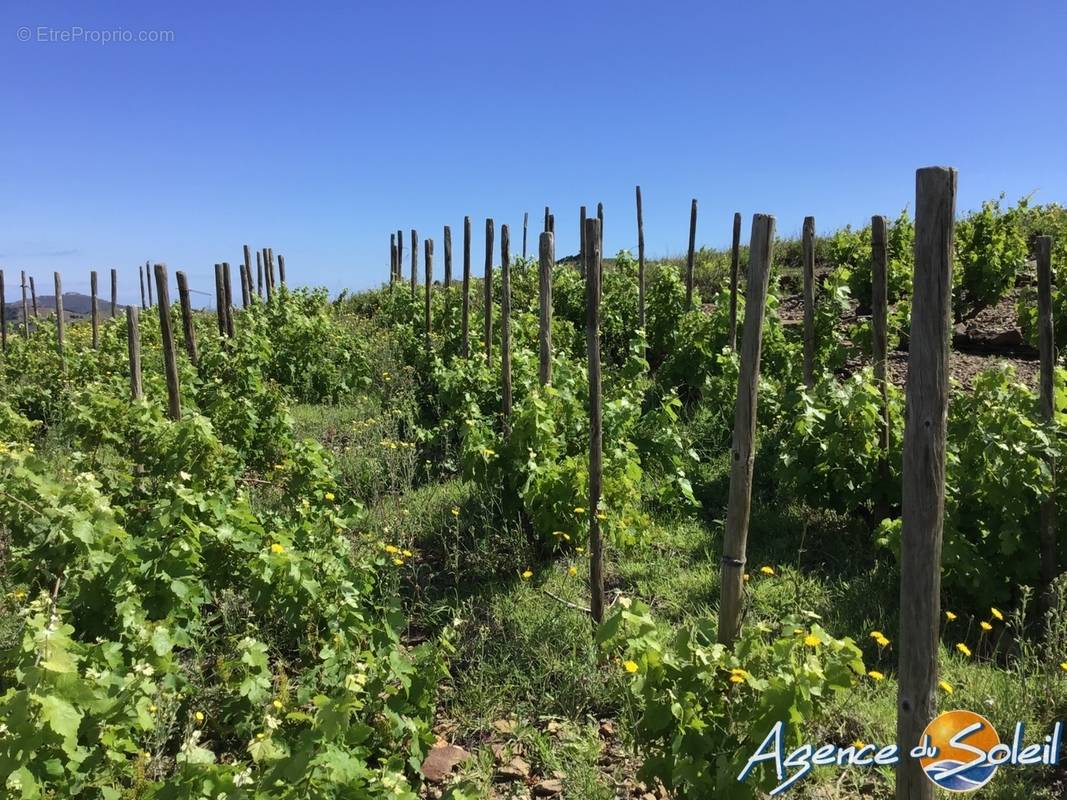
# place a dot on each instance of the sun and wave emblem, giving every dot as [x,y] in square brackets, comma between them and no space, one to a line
[960,739]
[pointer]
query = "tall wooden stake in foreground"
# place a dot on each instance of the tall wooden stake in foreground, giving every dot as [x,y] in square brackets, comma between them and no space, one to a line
[148,280]
[525,223]
[428,244]
[1046,345]
[879,319]
[188,330]
[487,288]
[170,356]
[596,440]
[392,260]
[505,327]
[33,298]
[93,311]
[690,256]
[227,287]
[246,285]
[259,275]
[140,273]
[25,308]
[735,264]
[448,256]
[114,292]
[133,345]
[923,504]
[466,313]
[640,263]
[220,300]
[59,318]
[742,453]
[548,260]
[281,269]
[414,262]
[808,257]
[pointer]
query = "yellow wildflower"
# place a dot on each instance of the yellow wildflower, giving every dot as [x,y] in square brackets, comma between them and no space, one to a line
[812,641]
[407,553]
[996,613]
[391,549]
[1063,666]
[950,616]
[964,649]
[572,570]
[767,570]
[630,666]
[455,511]
[329,496]
[526,575]
[745,578]
[488,452]
[398,562]
[277,704]
[277,548]
[875,675]
[946,687]
[985,626]
[579,510]
[737,679]
[199,716]
[877,635]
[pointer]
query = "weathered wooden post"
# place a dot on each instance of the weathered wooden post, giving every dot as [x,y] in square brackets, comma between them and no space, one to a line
[1046,345]
[414,262]
[448,257]
[140,273]
[33,297]
[272,278]
[640,263]
[600,243]
[220,301]
[25,309]
[170,356]
[259,275]
[148,280]
[60,324]
[281,269]
[188,329]
[465,320]
[488,290]
[227,288]
[94,313]
[547,229]
[923,505]
[133,346]
[742,452]
[735,263]
[505,328]
[525,222]
[691,255]
[879,322]
[551,223]
[808,267]
[114,292]
[246,284]
[392,260]
[581,240]
[596,441]
[429,286]
[399,256]
[548,261]
[3,314]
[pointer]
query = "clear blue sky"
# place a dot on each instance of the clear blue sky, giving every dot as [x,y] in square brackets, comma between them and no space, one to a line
[318,128]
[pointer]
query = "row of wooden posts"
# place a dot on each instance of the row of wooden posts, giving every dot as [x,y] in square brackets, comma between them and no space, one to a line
[926,392]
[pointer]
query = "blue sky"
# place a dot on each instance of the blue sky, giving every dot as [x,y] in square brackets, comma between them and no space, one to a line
[318,128]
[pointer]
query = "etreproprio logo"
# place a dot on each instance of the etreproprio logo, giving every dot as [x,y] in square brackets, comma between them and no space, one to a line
[960,752]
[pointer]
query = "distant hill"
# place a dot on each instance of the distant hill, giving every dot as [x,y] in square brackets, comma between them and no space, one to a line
[75,306]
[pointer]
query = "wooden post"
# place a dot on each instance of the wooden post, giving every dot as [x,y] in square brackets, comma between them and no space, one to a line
[548,261]
[246,279]
[546,219]
[267,275]
[690,256]
[429,285]
[581,240]
[923,506]
[281,269]
[640,263]
[525,222]
[551,223]
[93,313]
[188,330]
[414,262]
[742,452]
[487,288]
[114,292]
[735,263]
[448,257]
[148,280]
[133,346]
[170,356]
[227,288]
[270,272]
[596,440]
[60,324]
[3,314]
[808,267]
[1046,345]
[879,322]
[392,260]
[600,243]
[465,320]
[399,256]
[33,297]
[25,309]
[140,273]
[259,275]
[505,327]
[220,301]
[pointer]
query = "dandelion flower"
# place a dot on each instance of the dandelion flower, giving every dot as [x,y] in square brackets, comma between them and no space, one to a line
[859,744]
[488,452]
[579,510]
[407,553]
[601,515]
[964,649]
[946,687]
[877,635]
[277,704]
[572,570]
[329,496]
[629,666]
[996,613]
[398,562]
[1063,666]
[455,511]
[737,679]
[882,641]
[812,641]
[875,675]
[277,548]
[767,570]
[986,626]
[526,575]
[152,709]
[199,716]
[391,549]
[950,616]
